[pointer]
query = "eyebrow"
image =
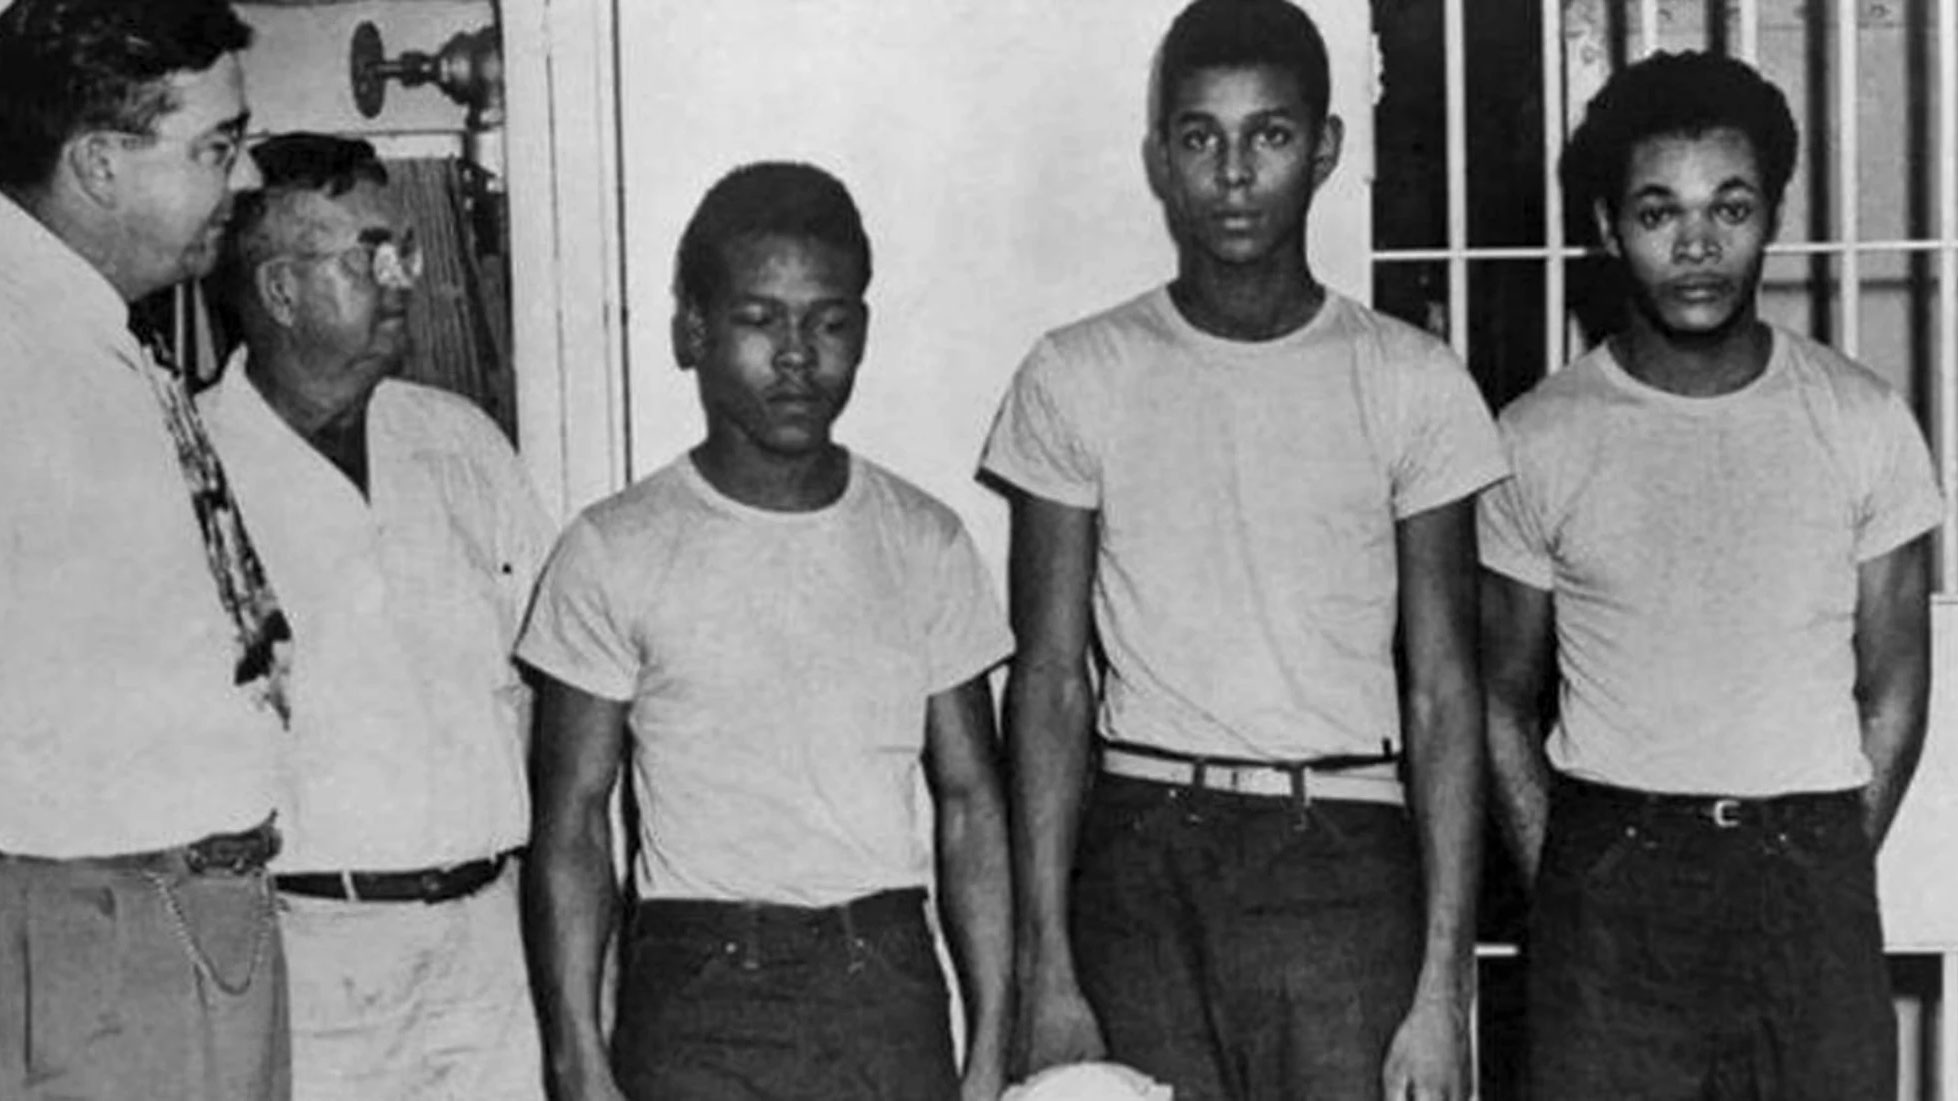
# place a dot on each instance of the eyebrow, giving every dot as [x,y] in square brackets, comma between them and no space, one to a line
[236,125]
[375,235]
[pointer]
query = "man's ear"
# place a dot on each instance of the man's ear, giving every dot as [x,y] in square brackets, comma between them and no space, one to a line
[1155,163]
[1325,155]
[689,335]
[1607,231]
[278,292]
[91,160]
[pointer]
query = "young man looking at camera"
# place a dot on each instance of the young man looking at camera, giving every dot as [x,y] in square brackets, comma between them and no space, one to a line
[1258,881]
[1715,539]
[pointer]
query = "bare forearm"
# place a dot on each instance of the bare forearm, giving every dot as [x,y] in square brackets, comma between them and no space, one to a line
[1893,740]
[1893,675]
[570,909]
[976,902]
[1048,716]
[1445,759]
[1520,774]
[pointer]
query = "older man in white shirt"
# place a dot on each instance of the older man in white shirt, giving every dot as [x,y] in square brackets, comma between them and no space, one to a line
[404,536]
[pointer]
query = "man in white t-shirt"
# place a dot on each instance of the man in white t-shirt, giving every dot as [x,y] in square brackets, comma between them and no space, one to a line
[785,634]
[1715,535]
[1243,485]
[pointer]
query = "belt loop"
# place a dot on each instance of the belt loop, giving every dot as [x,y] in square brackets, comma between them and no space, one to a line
[1199,770]
[751,939]
[1301,798]
[847,915]
[347,883]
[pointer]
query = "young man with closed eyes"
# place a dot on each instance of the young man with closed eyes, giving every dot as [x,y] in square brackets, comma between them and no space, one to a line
[787,637]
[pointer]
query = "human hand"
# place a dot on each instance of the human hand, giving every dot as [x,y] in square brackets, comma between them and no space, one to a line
[1055,1026]
[1428,1059]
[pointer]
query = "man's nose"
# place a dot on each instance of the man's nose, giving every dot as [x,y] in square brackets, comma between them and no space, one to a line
[1698,240]
[244,174]
[1234,164]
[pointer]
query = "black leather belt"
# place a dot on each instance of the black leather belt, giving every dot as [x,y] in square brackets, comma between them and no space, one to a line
[427,885]
[1724,812]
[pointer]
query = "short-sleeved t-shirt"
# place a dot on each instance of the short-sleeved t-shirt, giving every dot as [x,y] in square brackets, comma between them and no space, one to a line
[1247,494]
[778,667]
[1702,554]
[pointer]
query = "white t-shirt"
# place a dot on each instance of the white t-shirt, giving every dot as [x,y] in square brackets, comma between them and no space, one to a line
[121,729]
[1246,583]
[408,717]
[778,666]
[1703,557]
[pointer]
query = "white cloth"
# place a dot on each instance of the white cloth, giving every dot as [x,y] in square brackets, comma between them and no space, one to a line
[1090,1082]
[1702,554]
[1246,581]
[409,719]
[778,667]
[405,1002]
[121,729]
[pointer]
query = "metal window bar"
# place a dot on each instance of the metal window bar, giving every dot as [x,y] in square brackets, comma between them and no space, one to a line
[1947,373]
[1847,248]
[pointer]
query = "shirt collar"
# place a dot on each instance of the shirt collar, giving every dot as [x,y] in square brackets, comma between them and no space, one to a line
[59,286]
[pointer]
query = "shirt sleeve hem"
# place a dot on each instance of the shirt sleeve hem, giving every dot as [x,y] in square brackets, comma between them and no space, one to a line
[1047,489]
[1919,522]
[1477,480]
[1520,570]
[582,679]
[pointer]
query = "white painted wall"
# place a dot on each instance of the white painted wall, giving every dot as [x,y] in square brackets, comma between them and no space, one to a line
[994,147]
[296,73]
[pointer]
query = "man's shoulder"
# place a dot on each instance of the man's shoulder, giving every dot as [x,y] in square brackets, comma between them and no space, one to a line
[439,416]
[1561,403]
[1817,368]
[905,502]
[1109,338]
[654,502]
[1398,342]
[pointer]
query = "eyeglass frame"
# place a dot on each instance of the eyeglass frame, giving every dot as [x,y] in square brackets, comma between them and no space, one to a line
[394,264]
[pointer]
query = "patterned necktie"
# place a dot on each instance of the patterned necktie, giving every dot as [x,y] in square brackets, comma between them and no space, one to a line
[264,639]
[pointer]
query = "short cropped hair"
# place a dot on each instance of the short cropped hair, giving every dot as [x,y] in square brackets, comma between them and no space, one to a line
[1687,93]
[290,165]
[1238,34]
[71,66]
[766,199]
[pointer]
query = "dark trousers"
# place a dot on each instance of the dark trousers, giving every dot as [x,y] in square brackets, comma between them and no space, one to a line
[1247,947]
[727,1001]
[1683,952]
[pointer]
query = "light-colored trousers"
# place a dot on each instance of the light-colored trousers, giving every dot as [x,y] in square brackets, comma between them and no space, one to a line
[403,1001]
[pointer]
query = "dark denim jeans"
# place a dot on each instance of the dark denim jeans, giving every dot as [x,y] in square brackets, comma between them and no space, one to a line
[1674,958]
[735,1002]
[1247,947]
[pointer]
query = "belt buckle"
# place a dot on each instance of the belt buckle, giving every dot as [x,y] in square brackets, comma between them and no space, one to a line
[1725,813]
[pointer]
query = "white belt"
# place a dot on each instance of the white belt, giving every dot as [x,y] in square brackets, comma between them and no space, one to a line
[1364,786]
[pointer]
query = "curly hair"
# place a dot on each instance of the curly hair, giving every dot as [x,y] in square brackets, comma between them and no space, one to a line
[766,199]
[1688,93]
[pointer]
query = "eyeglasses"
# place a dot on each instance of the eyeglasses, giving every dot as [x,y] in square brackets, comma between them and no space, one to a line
[388,262]
[218,151]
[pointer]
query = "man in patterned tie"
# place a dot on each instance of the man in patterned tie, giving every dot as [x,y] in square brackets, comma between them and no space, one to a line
[141,672]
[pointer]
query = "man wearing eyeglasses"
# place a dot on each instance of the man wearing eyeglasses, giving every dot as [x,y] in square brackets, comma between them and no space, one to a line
[144,661]
[405,537]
